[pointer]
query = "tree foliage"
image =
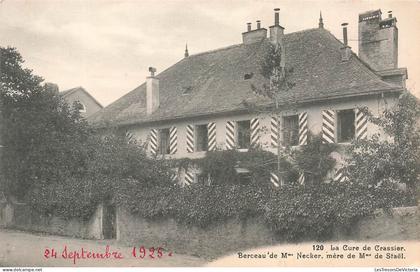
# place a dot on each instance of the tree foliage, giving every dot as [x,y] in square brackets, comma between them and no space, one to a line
[274,70]
[52,158]
[293,212]
[394,156]
[314,160]
[43,137]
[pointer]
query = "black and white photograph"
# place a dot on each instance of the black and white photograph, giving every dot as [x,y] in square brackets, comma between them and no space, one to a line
[185,134]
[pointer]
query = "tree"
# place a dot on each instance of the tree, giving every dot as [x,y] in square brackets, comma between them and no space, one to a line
[395,158]
[274,70]
[44,139]
[52,158]
[314,160]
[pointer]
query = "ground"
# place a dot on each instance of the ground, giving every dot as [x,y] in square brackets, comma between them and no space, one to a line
[27,249]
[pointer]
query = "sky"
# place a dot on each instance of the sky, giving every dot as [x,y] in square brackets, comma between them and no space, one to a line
[106,46]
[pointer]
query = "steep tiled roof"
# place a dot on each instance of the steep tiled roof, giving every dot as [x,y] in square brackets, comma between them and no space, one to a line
[216,84]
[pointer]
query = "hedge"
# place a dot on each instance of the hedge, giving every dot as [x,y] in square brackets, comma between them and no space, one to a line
[292,211]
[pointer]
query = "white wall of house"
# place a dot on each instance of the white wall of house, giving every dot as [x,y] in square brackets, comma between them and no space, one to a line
[376,104]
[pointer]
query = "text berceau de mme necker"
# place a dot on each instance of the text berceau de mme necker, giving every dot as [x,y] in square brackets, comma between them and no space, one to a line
[332,252]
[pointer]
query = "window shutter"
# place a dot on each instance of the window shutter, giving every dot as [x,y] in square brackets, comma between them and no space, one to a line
[188,178]
[274,131]
[255,132]
[153,141]
[211,130]
[340,175]
[173,140]
[129,136]
[301,178]
[274,178]
[190,138]
[303,128]
[361,125]
[174,176]
[230,135]
[328,126]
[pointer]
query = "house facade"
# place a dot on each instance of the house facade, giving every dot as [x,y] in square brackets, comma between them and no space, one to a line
[200,103]
[89,105]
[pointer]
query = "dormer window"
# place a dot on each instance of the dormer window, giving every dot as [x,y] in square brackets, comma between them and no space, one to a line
[82,108]
[248,76]
[186,90]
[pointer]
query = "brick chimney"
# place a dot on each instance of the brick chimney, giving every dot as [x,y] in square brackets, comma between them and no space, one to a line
[345,49]
[256,35]
[378,45]
[152,92]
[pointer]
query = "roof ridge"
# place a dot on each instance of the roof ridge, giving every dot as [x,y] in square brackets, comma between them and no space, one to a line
[216,50]
[242,44]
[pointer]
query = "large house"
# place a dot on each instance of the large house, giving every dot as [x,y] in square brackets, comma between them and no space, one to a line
[197,105]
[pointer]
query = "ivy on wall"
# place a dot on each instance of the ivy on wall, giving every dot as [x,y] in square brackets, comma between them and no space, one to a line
[293,212]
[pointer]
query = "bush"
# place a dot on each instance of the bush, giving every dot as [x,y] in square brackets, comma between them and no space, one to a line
[313,211]
[314,159]
[293,212]
[198,204]
[112,160]
[395,156]
[221,166]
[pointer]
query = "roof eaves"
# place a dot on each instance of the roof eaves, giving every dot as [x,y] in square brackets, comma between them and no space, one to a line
[236,111]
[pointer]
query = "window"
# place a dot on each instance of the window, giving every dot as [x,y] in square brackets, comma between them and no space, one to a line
[248,76]
[291,130]
[164,141]
[244,134]
[203,179]
[345,126]
[82,107]
[202,139]
[186,90]
[244,178]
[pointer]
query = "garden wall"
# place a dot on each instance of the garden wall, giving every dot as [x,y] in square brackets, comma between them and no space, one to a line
[401,224]
[223,238]
[20,216]
[214,241]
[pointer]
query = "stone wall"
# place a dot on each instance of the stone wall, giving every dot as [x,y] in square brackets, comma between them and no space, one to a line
[400,224]
[234,235]
[19,216]
[214,241]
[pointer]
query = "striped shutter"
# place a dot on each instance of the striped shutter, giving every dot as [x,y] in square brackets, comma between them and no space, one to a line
[230,135]
[328,126]
[188,178]
[274,178]
[340,175]
[303,128]
[173,140]
[211,130]
[361,125]
[174,177]
[153,141]
[190,138]
[274,131]
[129,136]
[255,132]
[301,178]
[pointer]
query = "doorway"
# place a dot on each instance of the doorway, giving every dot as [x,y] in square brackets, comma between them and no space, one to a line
[109,223]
